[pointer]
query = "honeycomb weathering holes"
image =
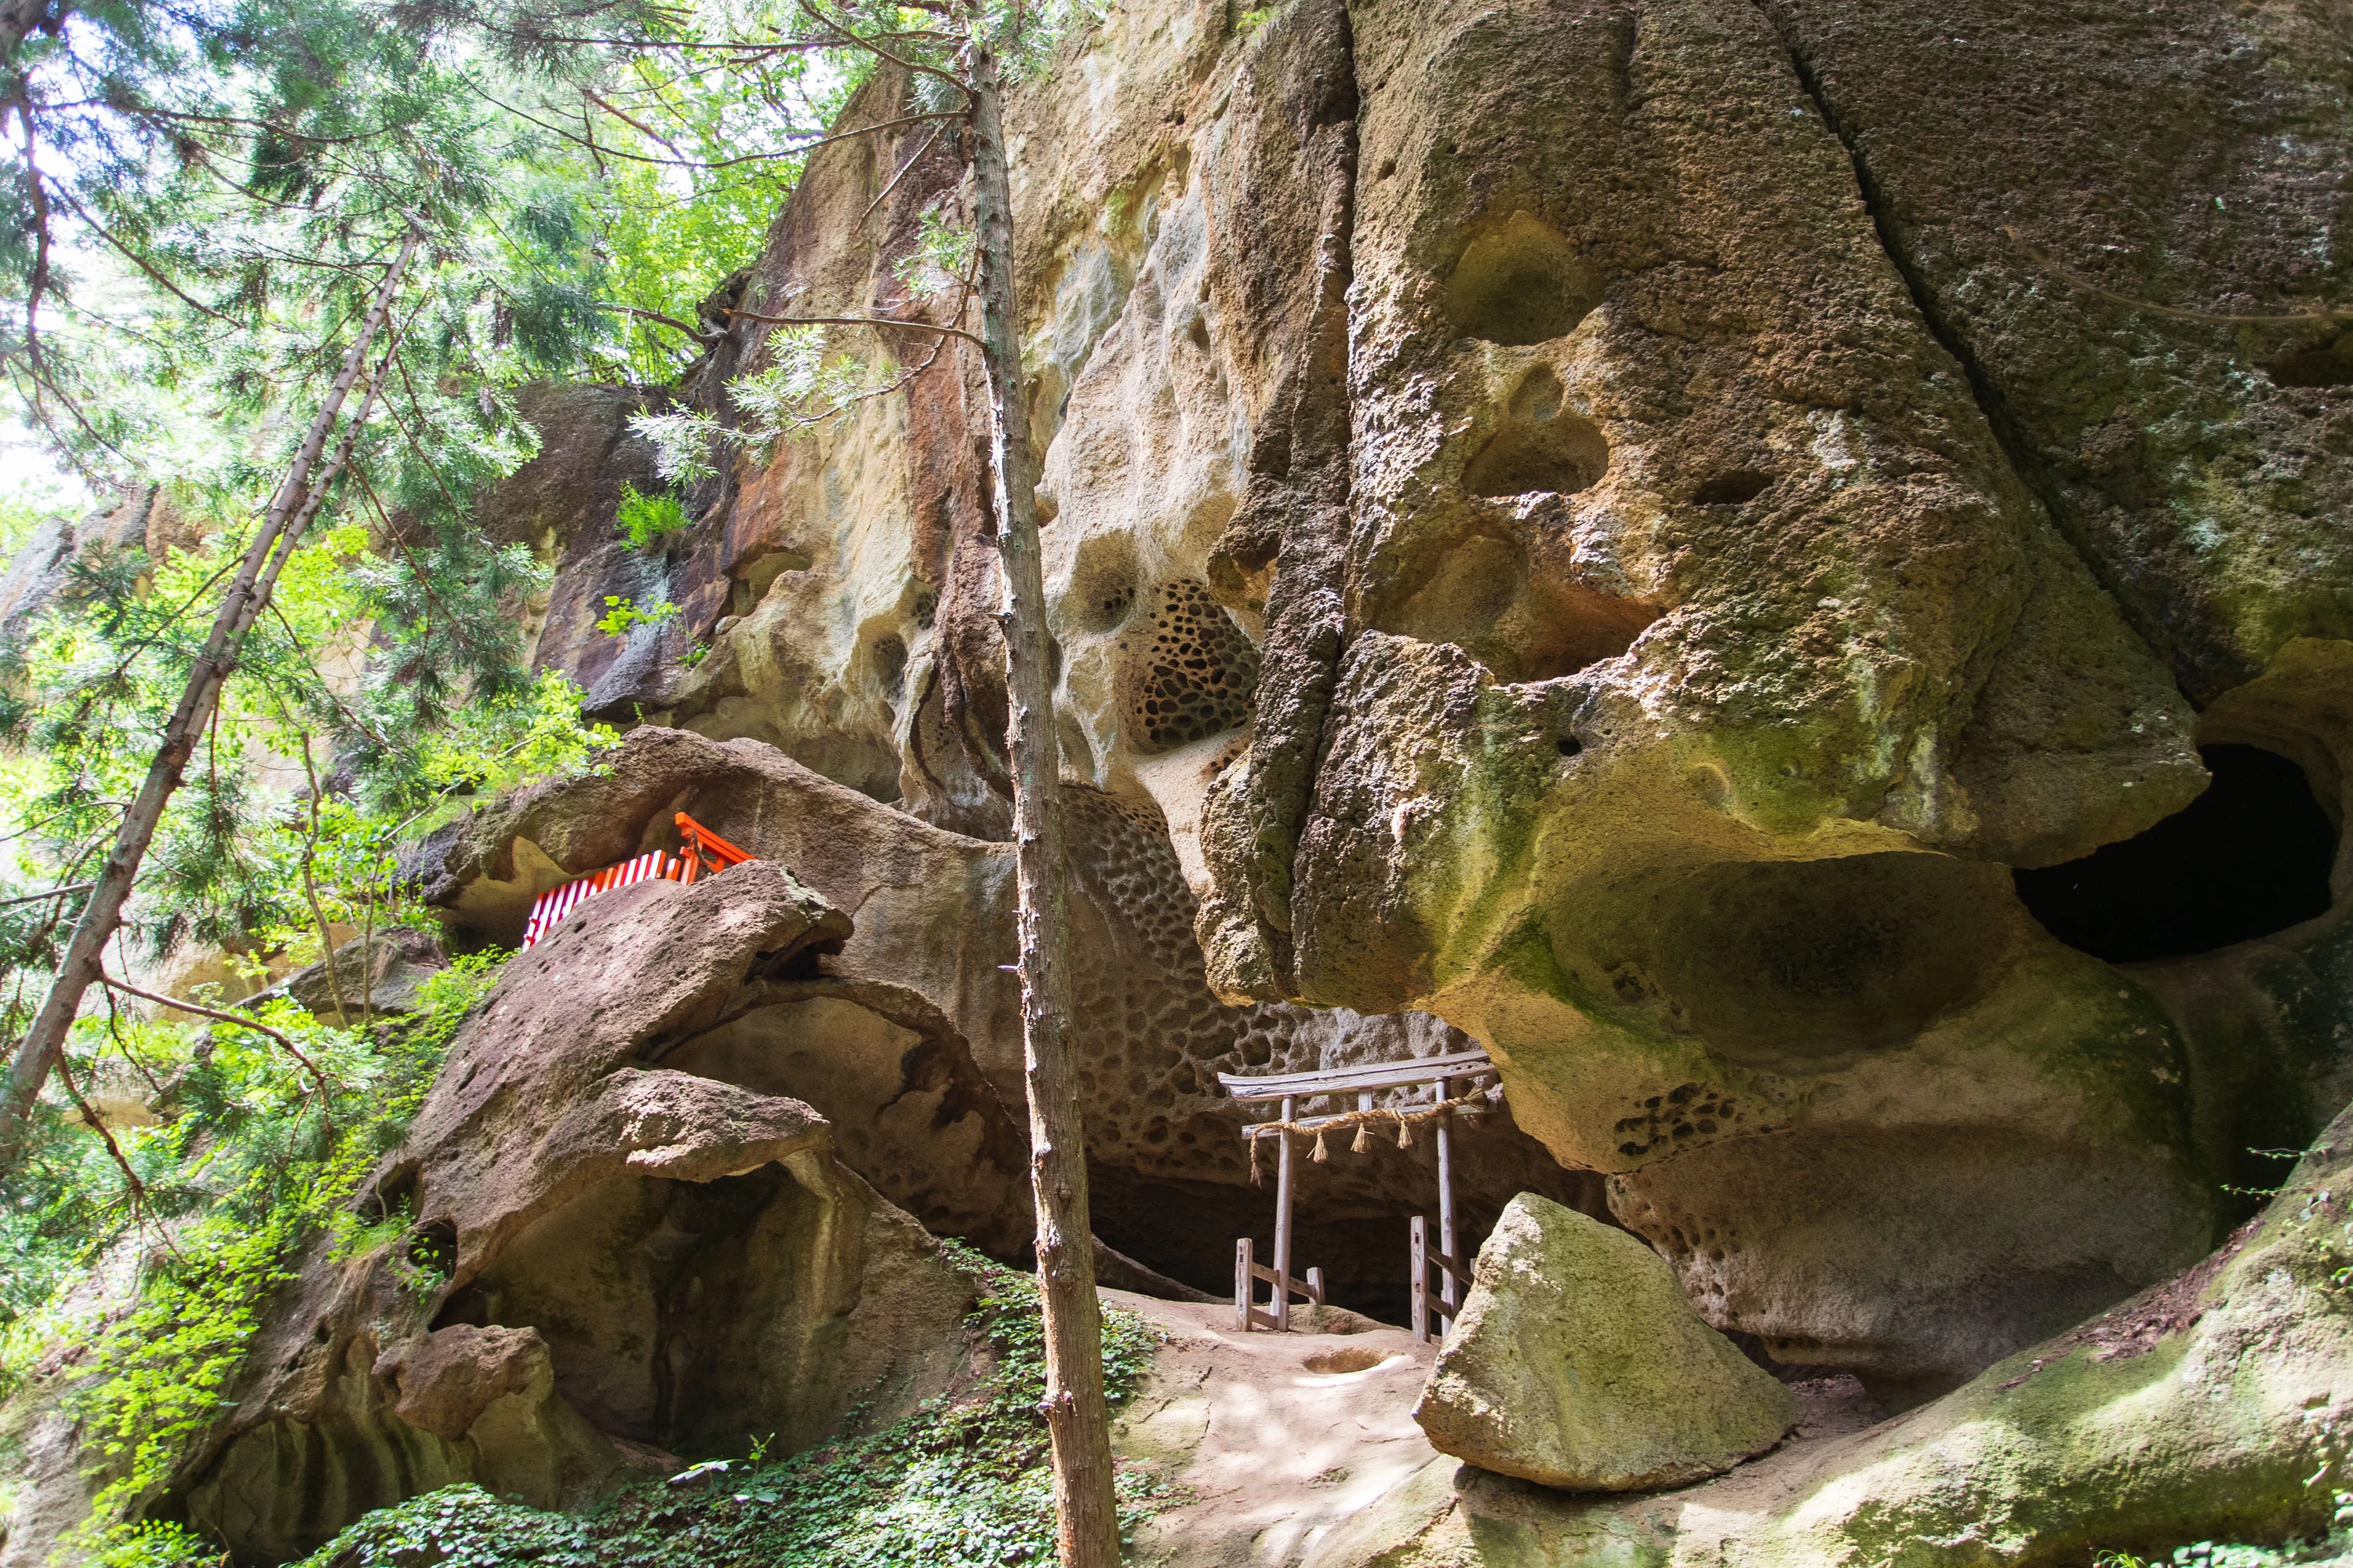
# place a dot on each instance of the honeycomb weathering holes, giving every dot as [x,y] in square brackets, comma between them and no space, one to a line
[1187,674]
[1519,283]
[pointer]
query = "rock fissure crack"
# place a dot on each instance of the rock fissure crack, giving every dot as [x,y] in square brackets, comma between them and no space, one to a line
[2016,449]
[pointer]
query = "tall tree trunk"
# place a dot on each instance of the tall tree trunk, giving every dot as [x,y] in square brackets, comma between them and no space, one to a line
[19,18]
[1087,1515]
[291,511]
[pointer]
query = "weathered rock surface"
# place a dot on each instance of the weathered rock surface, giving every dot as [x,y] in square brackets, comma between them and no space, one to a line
[1577,1363]
[1703,631]
[1271,1440]
[908,1040]
[2210,1407]
[139,524]
[614,1262]
[381,976]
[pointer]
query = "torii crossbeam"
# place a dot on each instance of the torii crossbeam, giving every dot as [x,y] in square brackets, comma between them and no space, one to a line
[1441,1073]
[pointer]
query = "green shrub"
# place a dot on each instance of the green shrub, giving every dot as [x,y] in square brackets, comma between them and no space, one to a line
[960,1483]
[622,615]
[643,519]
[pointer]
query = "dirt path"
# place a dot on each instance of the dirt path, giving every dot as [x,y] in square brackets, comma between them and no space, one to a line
[1278,1438]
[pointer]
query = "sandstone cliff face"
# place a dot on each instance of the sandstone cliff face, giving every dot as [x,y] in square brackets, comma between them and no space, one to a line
[908,1039]
[1622,526]
[1685,541]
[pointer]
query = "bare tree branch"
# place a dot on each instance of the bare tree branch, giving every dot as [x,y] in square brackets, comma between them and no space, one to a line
[217,1016]
[859,322]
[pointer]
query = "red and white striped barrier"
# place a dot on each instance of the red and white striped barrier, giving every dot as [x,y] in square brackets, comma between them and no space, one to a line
[554,904]
[706,853]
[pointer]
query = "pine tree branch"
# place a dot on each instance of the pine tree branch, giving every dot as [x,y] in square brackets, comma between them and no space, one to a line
[667,320]
[806,147]
[217,1016]
[52,893]
[135,258]
[859,322]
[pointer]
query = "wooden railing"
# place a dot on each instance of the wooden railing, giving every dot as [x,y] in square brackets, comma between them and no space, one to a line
[1249,1272]
[1451,1274]
[701,853]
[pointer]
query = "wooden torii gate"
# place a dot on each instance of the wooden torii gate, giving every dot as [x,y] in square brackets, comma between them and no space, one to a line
[1439,1074]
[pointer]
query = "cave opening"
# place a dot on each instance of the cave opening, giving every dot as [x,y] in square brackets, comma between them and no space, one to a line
[1185,1230]
[2250,856]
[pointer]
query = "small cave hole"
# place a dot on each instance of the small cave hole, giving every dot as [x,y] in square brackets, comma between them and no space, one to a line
[433,1247]
[2250,856]
[1734,488]
[1570,745]
[805,962]
[1519,283]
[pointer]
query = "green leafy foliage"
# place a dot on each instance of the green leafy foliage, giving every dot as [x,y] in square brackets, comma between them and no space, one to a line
[961,1483]
[643,519]
[942,258]
[251,1169]
[623,615]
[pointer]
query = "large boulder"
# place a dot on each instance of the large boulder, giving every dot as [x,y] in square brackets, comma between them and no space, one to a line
[1577,1363]
[908,1039]
[614,1263]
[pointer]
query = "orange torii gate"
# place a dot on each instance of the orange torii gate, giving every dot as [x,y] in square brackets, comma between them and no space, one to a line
[702,853]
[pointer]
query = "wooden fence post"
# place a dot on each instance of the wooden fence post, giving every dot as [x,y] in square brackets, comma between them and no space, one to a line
[1446,1289]
[1282,1221]
[1419,1231]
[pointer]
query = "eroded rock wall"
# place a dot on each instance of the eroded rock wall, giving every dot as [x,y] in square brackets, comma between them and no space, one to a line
[1622,526]
[908,1038]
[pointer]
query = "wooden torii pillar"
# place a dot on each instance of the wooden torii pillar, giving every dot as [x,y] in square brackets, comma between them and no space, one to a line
[1361,1084]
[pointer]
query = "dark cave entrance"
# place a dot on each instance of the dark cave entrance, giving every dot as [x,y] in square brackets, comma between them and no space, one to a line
[2250,856]
[1185,1230]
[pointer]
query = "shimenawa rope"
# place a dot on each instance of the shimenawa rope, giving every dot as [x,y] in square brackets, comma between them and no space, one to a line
[1477,1102]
